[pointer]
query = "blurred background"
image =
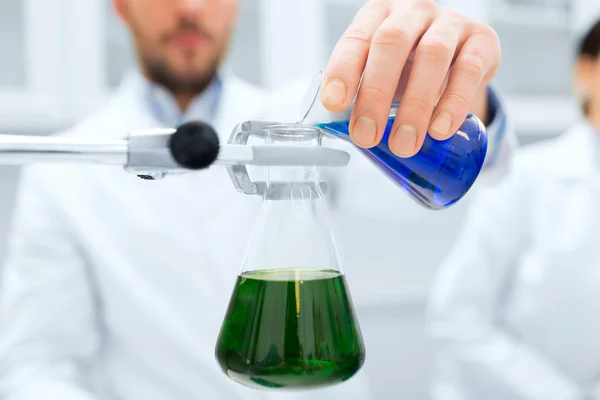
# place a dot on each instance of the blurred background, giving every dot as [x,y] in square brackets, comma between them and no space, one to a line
[60,58]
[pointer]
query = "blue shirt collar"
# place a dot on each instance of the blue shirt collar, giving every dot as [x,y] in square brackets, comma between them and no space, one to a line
[162,104]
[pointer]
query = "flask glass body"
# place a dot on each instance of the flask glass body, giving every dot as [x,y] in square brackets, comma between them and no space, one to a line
[291,324]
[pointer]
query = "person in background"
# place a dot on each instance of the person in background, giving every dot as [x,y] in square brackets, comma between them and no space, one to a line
[514,309]
[114,287]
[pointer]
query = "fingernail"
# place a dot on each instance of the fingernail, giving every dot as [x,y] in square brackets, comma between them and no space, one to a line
[365,131]
[334,93]
[405,140]
[442,123]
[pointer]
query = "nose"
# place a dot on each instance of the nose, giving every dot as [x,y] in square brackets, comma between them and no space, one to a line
[193,6]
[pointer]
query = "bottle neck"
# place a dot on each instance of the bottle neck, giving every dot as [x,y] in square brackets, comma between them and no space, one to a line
[293,182]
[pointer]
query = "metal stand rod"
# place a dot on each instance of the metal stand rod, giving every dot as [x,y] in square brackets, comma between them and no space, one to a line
[17,150]
[155,153]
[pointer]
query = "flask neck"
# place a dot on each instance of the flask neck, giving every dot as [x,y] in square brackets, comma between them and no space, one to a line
[293,229]
[293,182]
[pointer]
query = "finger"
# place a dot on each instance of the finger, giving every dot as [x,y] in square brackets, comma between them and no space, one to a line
[432,60]
[477,59]
[347,62]
[390,48]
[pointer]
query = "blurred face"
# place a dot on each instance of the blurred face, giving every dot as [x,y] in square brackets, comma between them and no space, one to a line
[588,79]
[180,43]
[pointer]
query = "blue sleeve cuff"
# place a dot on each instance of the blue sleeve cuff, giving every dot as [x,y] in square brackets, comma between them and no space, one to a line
[493,105]
[496,128]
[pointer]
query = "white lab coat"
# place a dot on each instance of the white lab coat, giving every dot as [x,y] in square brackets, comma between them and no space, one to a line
[514,310]
[116,287]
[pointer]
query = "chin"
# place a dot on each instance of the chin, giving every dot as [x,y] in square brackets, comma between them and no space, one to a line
[191,72]
[190,63]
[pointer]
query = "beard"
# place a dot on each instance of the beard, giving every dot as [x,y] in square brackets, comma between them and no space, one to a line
[190,83]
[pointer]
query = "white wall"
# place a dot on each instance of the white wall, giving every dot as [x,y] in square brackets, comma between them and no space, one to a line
[12,57]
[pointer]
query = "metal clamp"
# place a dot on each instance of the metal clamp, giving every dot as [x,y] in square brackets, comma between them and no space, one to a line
[149,156]
[239,173]
[319,156]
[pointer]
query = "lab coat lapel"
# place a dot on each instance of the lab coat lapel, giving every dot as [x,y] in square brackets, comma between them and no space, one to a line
[575,154]
[578,187]
[239,102]
[128,110]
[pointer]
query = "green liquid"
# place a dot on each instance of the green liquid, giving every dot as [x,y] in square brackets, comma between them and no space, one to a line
[290,329]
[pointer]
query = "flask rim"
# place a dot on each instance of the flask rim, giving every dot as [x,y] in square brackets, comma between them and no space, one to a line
[292,132]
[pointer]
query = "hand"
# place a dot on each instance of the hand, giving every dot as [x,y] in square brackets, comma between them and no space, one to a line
[435,60]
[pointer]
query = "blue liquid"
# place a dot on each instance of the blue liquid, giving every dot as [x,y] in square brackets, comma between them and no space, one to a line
[441,173]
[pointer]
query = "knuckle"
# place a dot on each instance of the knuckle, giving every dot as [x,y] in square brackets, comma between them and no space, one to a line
[356,34]
[425,5]
[416,105]
[495,44]
[471,65]
[373,94]
[456,101]
[485,30]
[391,36]
[459,22]
[452,16]
[435,48]
[490,36]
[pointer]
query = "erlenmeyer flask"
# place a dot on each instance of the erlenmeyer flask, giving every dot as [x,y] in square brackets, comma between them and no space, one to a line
[290,323]
[439,175]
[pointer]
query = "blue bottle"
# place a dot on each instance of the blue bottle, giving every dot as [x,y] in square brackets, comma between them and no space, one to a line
[439,175]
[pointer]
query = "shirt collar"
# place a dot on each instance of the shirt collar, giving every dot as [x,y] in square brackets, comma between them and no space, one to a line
[162,104]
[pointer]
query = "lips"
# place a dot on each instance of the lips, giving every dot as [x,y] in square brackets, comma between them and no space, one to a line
[188,39]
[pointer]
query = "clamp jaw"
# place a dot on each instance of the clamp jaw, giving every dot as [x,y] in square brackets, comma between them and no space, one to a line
[279,155]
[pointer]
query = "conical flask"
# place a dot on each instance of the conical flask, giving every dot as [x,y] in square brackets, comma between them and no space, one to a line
[439,175]
[290,323]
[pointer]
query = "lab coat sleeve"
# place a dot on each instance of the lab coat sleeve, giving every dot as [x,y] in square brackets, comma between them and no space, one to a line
[47,333]
[476,356]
